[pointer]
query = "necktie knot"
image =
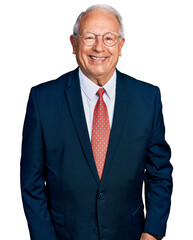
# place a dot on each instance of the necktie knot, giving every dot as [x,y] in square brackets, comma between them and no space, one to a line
[100,92]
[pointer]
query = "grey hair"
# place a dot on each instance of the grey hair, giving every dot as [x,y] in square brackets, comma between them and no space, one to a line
[104,7]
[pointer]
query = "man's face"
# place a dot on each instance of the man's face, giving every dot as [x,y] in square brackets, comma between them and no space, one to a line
[99,61]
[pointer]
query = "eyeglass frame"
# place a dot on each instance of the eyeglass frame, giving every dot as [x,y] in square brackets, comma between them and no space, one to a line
[77,35]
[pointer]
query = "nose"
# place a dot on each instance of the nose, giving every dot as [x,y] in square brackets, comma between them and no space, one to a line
[99,46]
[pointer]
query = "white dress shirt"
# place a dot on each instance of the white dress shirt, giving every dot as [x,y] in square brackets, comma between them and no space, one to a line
[90,98]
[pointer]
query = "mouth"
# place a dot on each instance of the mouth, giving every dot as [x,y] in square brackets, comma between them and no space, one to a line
[97,59]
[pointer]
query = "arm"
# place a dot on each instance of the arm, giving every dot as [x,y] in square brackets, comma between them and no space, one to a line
[33,187]
[158,180]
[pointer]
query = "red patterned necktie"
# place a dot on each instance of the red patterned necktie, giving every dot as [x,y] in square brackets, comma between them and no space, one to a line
[100,132]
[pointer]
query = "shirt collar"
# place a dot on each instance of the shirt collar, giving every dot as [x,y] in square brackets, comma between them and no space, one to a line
[90,88]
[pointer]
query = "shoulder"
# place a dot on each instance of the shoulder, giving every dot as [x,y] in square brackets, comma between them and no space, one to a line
[137,86]
[55,85]
[133,82]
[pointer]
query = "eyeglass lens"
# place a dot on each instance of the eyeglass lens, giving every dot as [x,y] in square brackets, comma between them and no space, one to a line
[109,39]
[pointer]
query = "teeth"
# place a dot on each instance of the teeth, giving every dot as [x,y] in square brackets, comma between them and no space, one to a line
[95,58]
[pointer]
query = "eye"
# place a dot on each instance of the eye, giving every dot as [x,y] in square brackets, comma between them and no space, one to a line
[108,39]
[88,36]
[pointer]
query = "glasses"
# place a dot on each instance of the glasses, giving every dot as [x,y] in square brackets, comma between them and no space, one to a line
[90,39]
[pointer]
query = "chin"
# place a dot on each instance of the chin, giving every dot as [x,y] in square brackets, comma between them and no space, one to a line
[98,71]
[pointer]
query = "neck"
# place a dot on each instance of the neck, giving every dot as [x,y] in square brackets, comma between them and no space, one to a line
[99,80]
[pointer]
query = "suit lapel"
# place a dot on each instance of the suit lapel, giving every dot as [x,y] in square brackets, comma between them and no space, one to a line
[123,94]
[74,98]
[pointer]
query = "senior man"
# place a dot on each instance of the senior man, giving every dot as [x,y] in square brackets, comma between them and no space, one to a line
[91,139]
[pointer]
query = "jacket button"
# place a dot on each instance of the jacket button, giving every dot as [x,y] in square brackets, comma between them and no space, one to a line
[101,196]
[96,230]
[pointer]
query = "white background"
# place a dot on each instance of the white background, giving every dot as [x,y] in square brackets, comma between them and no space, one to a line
[35,47]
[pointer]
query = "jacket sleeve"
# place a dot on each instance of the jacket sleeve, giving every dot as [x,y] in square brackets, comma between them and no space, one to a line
[158,179]
[33,187]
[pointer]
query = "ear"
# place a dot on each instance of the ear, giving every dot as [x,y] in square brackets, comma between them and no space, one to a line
[73,41]
[122,41]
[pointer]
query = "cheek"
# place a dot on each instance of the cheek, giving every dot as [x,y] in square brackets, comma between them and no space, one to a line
[119,50]
[82,53]
[115,55]
[115,51]
[82,58]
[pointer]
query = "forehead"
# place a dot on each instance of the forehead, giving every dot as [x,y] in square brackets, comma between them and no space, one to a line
[99,21]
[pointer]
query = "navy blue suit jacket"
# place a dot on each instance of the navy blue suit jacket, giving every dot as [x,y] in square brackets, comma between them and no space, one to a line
[62,195]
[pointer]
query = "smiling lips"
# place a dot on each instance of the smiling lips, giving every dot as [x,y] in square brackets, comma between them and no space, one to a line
[97,59]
